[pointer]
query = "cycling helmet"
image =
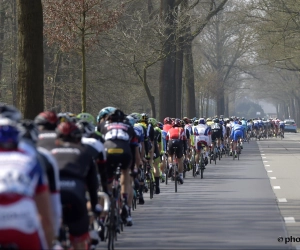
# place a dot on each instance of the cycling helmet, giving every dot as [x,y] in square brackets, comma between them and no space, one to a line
[9,133]
[131,120]
[153,121]
[48,119]
[144,117]
[31,131]
[68,131]
[136,116]
[160,125]
[208,119]
[87,117]
[177,123]
[195,123]
[104,112]
[10,112]
[116,116]
[216,120]
[85,127]
[201,121]
[167,120]
[186,120]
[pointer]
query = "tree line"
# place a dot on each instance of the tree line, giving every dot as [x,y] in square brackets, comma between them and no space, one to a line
[166,58]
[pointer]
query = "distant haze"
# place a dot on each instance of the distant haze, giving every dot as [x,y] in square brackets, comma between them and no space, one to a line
[267,107]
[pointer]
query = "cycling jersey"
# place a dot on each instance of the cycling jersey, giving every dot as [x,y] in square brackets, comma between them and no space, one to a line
[50,167]
[120,143]
[202,135]
[77,174]
[47,139]
[216,131]
[166,127]
[21,178]
[157,141]
[176,137]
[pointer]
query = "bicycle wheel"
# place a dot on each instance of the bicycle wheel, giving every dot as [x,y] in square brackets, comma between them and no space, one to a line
[219,153]
[151,188]
[167,174]
[201,172]
[175,178]
[111,224]
[202,164]
[238,153]
[215,157]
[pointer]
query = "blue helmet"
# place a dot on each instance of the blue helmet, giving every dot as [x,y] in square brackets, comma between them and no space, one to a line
[9,133]
[131,120]
[104,112]
[201,121]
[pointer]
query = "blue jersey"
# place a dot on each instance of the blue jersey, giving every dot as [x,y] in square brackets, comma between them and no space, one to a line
[164,141]
[138,129]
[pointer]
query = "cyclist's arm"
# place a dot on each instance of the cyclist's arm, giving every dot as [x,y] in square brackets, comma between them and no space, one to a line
[42,200]
[92,184]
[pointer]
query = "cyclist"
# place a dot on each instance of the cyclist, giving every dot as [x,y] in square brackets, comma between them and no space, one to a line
[120,139]
[28,144]
[139,131]
[24,195]
[216,134]
[46,122]
[78,174]
[157,150]
[244,124]
[281,127]
[202,136]
[176,138]
[237,133]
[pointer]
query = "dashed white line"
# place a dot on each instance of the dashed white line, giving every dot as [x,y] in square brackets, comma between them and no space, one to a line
[276,187]
[265,161]
[267,165]
[264,157]
[270,171]
[289,219]
[262,154]
[273,178]
[282,200]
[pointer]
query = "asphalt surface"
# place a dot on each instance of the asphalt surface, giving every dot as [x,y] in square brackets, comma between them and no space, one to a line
[235,206]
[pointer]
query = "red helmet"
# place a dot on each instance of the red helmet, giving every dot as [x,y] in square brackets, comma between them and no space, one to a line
[177,123]
[167,120]
[46,118]
[68,131]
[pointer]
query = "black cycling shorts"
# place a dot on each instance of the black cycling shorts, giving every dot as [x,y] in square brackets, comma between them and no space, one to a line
[216,134]
[175,146]
[118,152]
[75,214]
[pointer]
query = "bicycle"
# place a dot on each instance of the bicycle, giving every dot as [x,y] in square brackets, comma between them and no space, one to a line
[201,162]
[213,154]
[149,177]
[238,150]
[175,176]
[113,222]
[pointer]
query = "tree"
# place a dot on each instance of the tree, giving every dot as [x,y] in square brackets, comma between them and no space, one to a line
[30,57]
[75,25]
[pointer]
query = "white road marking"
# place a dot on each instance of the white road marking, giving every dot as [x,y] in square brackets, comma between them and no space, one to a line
[273,178]
[264,157]
[289,219]
[282,200]
[269,171]
[276,187]
[265,161]
[262,154]
[267,165]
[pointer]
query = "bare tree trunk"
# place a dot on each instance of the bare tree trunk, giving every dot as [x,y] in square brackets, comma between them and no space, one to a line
[14,48]
[30,57]
[2,20]
[83,54]
[167,98]
[189,78]
[178,77]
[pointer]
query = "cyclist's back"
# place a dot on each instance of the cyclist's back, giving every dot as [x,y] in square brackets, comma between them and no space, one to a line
[78,174]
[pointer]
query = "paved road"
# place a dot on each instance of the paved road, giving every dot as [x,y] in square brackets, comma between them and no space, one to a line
[233,207]
[281,160]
